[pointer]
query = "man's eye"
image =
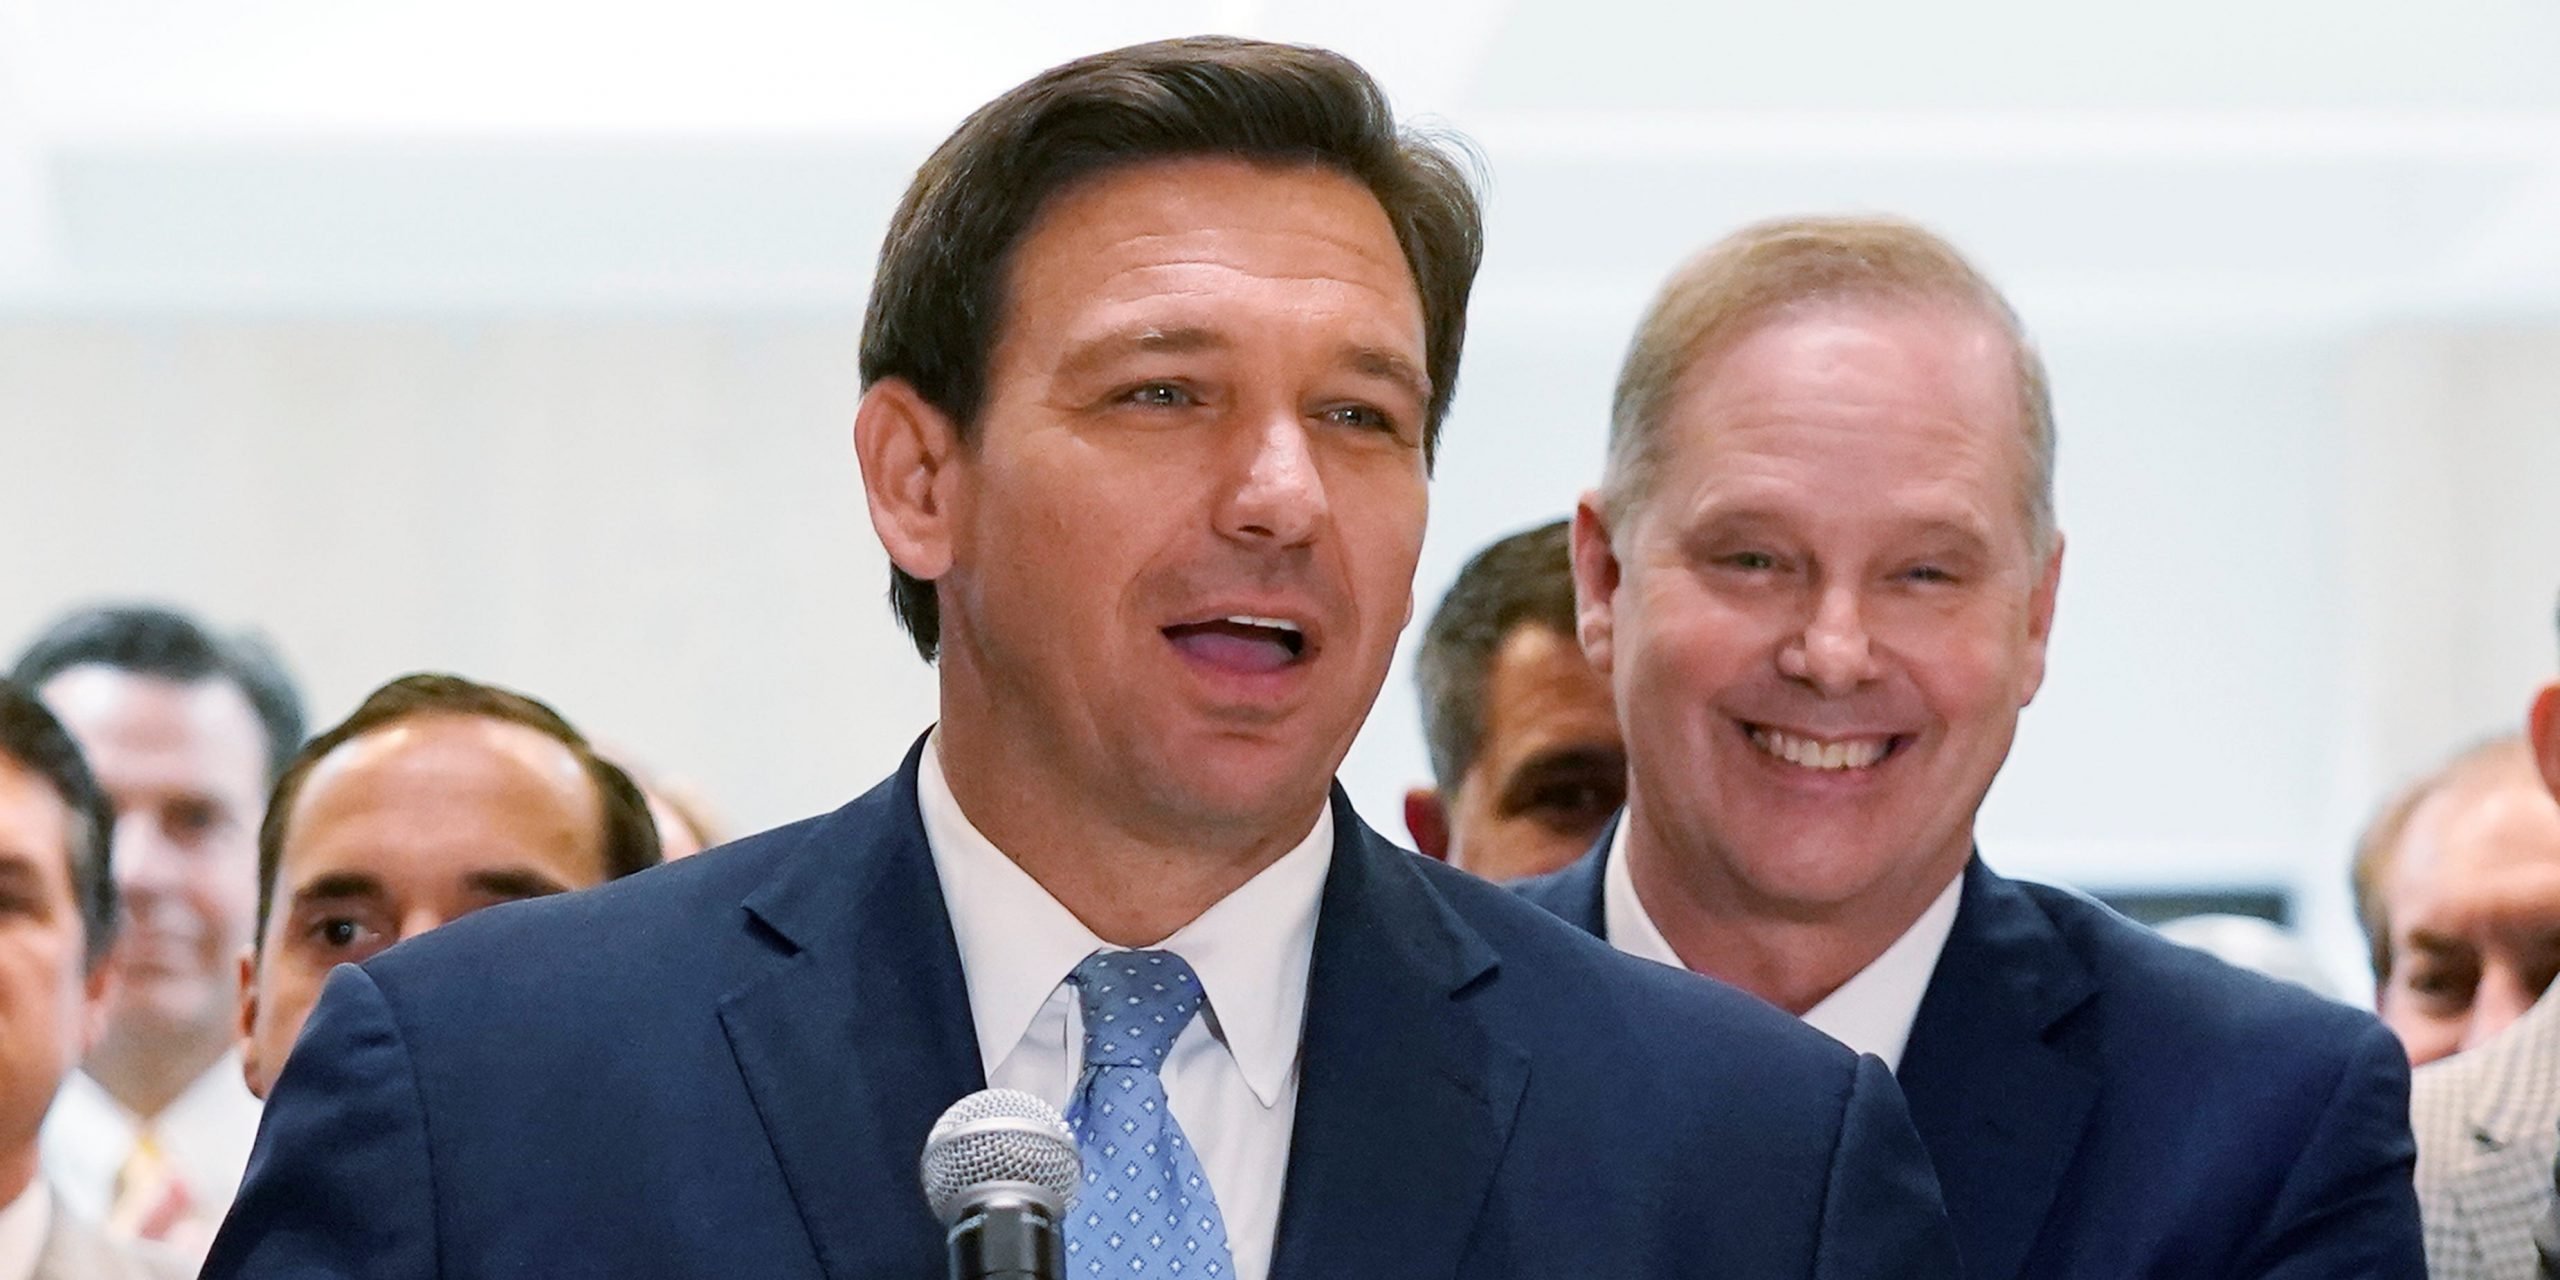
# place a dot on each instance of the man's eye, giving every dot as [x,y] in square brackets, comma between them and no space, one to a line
[342,933]
[1749,561]
[1158,395]
[1575,803]
[2442,985]
[1927,573]
[190,820]
[1365,417]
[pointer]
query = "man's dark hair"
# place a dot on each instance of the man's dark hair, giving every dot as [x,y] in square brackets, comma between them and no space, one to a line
[1522,580]
[938,299]
[630,835]
[147,640]
[31,736]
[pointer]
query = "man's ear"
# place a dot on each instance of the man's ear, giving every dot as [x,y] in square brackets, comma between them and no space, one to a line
[1595,584]
[1428,819]
[249,1015]
[908,449]
[97,989]
[2040,621]
[2544,725]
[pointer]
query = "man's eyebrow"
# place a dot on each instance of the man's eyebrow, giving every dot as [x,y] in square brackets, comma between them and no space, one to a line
[514,882]
[1573,757]
[1087,357]
[1378,362]
[2437,943]
[337,886]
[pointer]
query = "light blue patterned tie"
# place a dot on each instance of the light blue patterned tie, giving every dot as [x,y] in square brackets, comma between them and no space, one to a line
[1146,1212]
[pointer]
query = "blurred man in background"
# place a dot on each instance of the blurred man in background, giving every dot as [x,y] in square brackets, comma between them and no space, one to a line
[1524,740]
[184,730]
[2458,885]
[1820,572]
[438,797]
[57,919]
[2488,1118]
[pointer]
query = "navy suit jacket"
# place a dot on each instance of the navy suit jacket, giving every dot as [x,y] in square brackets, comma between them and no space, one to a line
[726,1067]
[2100,1101]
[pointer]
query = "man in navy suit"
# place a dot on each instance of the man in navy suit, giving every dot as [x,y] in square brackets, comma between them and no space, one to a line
[1820,572]
[1154,366]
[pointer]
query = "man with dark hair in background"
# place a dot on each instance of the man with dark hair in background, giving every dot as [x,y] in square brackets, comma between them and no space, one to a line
[1524,739]
[57,921]
[184,729]
[1821,571]
[2488,1119]
[437,797]
[1156,358]
[2457,883]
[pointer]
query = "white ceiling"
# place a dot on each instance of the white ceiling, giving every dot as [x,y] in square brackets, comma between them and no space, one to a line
[2273,163]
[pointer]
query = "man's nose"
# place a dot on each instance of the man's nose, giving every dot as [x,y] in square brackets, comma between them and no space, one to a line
[144,860]
[420,920]
[1278,496]
[2504,995]
[1833,652]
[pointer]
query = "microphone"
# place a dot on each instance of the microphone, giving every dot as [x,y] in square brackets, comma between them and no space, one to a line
[999,1168]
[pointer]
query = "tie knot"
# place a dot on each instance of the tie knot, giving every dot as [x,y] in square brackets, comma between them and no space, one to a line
[1135,1004]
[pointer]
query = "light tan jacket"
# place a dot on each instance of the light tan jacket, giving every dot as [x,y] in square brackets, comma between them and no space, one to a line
[2488,1127]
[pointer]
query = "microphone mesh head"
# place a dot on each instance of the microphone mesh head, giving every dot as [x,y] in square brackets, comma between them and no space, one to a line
[998,1135]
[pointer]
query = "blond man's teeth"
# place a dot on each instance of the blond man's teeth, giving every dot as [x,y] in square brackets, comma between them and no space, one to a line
[1811,754]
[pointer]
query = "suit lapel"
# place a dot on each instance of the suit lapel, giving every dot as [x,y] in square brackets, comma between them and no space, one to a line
[1404,1101]
[2003,985]
[857,1034]
[2497,1202]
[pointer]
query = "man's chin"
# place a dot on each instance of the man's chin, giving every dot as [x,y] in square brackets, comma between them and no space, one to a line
[172,1008]
[1244,789]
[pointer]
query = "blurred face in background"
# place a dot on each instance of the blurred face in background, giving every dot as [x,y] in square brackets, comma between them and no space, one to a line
[2472,901]
[1550,769]
[1824,615]
[186,767]
[48,999]
[400,831]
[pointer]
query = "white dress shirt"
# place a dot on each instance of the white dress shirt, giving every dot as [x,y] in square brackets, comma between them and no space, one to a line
[1232,1076]
[22,1230]
[1871,1013]
[205,1132]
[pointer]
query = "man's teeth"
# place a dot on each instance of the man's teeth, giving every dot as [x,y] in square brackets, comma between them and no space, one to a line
[1274,624]
[1820,755]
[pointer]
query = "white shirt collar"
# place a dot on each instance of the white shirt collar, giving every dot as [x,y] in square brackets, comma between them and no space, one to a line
[1871,1013]
[1018,943]
[205,1131]
[23,1227]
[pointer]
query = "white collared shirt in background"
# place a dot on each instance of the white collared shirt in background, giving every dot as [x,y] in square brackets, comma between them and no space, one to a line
[22,1230]
[205,1133]
[1232,1076]
[1871,1013]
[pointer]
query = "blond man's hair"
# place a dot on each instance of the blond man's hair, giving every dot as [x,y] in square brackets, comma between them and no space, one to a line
[1771,270]
[2484,766]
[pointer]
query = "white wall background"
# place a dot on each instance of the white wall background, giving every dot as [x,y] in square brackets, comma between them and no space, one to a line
[517,339]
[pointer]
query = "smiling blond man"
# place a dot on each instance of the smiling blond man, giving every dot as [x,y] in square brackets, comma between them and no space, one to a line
[1820,573]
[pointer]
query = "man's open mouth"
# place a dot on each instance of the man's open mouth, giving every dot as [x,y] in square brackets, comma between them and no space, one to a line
[1239,642]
